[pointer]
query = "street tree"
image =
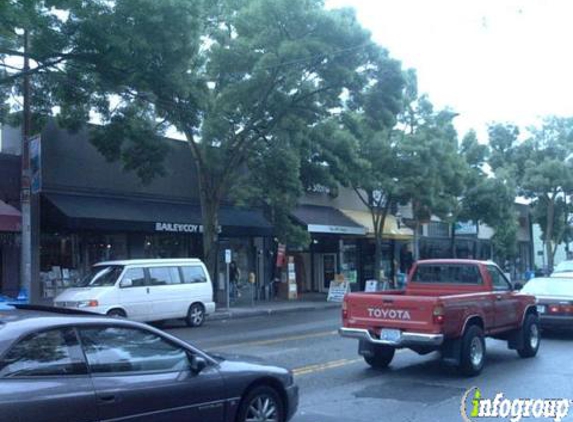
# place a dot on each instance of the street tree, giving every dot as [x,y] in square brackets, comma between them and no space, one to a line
[488,196]
[356,148]
[548,179]
[230,76]
[432,174]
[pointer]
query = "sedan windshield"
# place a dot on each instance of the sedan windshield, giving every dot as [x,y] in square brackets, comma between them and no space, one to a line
[101,275]
[549,287]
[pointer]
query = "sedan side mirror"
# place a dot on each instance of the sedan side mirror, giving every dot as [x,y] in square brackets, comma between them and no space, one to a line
[197,363]
[126,282]
[517,286]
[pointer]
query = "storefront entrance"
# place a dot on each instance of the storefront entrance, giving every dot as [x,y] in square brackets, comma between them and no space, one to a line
[327,270]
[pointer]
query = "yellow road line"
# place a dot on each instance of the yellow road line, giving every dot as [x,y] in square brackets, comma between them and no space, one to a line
[276,340]
[324,366]
[305,370]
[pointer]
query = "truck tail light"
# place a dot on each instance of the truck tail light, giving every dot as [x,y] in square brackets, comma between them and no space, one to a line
[344,309]
[567,309]
[554,309]
[438,315]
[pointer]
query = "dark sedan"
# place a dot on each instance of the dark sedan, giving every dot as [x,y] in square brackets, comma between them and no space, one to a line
[554,300]
[58,366]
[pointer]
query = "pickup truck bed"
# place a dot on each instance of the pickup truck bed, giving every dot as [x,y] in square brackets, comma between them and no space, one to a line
[442,301]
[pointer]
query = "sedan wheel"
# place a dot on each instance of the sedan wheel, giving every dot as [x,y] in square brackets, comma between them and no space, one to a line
[262,404]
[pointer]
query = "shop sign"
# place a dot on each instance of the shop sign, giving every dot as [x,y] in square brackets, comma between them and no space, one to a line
[321,228]
[337,289]
[281,255]
[371,286]
[178,228]
[181,228]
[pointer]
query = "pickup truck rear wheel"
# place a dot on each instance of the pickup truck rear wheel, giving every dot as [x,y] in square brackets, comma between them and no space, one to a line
[473,351]
[531,337]
[381,357]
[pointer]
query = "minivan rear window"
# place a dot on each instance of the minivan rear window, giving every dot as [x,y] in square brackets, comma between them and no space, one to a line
[193,274]
[101,275]
[447,274]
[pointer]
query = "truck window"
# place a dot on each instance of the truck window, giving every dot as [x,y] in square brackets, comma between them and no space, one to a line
[498,280]
[447,274]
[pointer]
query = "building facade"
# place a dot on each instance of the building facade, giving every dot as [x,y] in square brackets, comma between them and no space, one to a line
[91,210]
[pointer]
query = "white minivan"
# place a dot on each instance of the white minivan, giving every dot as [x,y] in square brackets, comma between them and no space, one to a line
[145,290]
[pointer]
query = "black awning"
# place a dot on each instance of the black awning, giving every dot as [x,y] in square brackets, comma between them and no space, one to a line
[81,212]
[319,219]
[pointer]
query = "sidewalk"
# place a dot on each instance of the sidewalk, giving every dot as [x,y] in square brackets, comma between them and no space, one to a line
[309,302]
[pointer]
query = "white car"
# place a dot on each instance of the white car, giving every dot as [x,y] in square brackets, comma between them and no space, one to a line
[145,290]
[563,269]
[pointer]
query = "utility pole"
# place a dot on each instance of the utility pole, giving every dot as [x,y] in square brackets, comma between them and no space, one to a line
[25,202]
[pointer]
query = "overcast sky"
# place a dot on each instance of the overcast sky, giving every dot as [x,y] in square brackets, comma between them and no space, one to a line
[490,60]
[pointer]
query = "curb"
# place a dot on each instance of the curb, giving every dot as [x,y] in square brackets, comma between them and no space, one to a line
[248,313]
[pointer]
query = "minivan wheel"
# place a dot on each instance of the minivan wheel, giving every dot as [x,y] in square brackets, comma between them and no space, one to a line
[195,315]
[473,351]
[262,404]
[116,313]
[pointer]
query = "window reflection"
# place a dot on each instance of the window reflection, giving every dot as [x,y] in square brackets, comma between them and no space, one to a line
[42,354]
[111,349]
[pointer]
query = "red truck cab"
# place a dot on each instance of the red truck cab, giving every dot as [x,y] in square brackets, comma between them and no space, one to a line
[448,306]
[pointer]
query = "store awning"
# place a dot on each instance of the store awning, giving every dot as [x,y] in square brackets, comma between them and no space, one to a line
[319,219]
[80,212]
[391,229]
[10,218]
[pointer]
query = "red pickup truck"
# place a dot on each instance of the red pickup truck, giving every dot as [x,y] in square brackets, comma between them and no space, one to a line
[448,306]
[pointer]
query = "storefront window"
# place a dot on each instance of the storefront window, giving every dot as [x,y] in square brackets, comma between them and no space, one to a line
[349,261]
[105,247]
[241,254]
[167,246]
[385,261]
[56,250]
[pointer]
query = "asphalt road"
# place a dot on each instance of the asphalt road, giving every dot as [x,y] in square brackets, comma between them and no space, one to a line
[337,386]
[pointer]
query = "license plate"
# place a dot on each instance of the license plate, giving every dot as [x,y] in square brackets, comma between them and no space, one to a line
[390,334]
[541,309]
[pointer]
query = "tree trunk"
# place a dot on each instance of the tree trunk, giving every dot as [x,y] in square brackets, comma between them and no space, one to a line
[549,234]
[378,257]
[416,240]
[210,218]
[453,241]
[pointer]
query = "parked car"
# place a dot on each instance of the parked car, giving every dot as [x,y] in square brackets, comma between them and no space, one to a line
[145,290]
[563,269]
[554,300]
[448,306]
[64,365]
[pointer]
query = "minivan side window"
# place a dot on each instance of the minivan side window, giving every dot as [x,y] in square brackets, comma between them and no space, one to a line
[44,354]
[161,276]
[193,274]
[119,350]
[137,276]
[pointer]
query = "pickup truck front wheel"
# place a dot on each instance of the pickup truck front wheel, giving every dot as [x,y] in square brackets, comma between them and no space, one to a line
[531,337]
[472,357]
[380,357]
